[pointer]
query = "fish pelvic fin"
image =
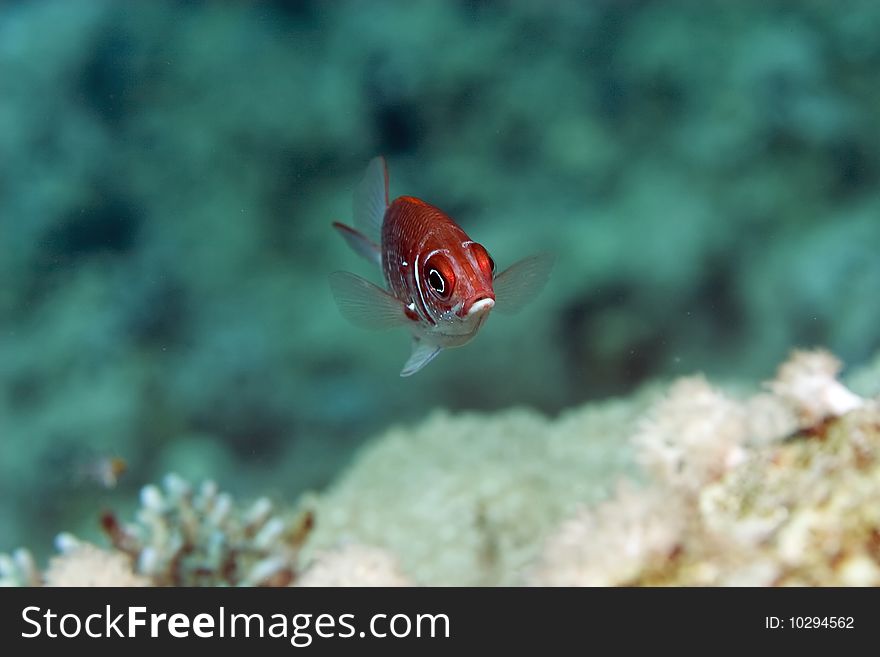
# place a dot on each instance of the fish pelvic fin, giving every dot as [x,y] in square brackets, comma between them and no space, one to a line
[360,243]
[521,282]
[364,304]
[422,354]
[371,199]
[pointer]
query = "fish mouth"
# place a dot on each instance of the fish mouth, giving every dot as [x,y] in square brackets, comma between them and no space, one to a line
[480,306]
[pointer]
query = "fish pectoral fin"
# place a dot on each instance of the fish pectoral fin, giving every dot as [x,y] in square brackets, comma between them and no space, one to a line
[371,199]
[364,304]
[360,243]
[421,355]
[521,282]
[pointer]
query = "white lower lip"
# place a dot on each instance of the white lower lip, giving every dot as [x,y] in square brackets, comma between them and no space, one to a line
[480,306]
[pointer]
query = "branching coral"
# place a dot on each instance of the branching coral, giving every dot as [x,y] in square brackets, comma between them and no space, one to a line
[187,536]
[19,569]
[181,536]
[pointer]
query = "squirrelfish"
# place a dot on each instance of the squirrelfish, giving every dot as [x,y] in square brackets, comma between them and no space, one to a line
[440,283]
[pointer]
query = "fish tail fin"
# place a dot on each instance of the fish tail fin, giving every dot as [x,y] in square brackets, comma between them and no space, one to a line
[360,243]
[371,199]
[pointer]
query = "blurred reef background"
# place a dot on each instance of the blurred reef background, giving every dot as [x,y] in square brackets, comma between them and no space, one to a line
[706,172]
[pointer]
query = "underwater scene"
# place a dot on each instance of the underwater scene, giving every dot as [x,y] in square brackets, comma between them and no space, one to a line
[447,292]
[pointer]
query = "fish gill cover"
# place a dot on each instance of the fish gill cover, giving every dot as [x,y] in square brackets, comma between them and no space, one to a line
[705,173]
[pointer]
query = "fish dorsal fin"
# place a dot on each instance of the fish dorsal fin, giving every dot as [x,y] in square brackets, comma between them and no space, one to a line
[422,354]
[521,282]
[371,199]
[360,243]
[364,304]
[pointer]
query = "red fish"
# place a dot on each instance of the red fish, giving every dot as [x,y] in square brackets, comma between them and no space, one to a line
[440,283]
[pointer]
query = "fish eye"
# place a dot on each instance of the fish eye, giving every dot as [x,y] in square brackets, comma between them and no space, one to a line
[491,263]
[439,276]
[437,282]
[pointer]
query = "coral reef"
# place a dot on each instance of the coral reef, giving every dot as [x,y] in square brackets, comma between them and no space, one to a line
[691,485]
[807,383]
[84,564]
[728,507]
[462,499]
[707,177]
[799,513]
[773,488]
[187,537]
[457,500]
[354,565]
[19,569]
[613,543]
[182,536]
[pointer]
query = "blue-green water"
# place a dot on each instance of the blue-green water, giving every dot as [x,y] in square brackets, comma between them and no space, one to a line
[706,174]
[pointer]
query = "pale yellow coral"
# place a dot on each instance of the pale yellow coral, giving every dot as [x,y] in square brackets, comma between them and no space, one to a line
[810,504]
[731,503]
[807,381]
[354,565]
[84,564]
[694,435]
[615,543]
[467,499]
